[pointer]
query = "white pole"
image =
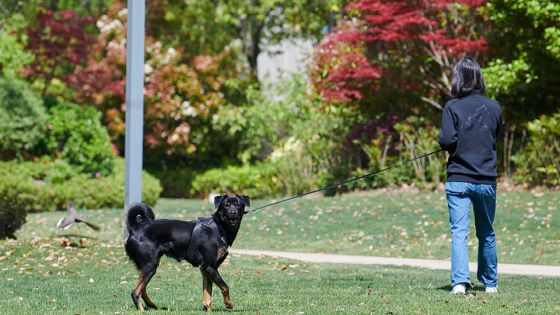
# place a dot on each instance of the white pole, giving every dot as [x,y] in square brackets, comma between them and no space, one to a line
[134,100]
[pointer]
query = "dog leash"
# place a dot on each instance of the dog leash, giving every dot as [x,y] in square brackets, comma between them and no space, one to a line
[345,182]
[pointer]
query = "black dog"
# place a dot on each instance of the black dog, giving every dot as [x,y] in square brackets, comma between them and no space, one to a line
[203,242]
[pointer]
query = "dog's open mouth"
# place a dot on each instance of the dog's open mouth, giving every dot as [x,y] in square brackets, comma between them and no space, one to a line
[233,221]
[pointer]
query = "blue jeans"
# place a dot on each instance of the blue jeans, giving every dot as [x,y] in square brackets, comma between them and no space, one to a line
[460,195]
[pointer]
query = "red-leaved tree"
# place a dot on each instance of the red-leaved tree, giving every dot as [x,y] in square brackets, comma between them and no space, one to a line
[396,44]
[59,42]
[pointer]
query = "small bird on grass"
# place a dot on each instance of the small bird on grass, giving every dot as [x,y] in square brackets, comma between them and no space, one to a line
[72,217]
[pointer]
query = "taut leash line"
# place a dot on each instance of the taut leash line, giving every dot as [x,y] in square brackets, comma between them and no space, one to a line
[346,181]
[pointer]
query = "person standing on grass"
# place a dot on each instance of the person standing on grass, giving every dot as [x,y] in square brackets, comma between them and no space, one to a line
[469,130]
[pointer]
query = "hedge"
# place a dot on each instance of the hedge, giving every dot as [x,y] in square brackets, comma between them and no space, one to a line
[49,186]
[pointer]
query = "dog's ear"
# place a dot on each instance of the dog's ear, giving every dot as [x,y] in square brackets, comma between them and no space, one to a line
[218,200]
[245,200]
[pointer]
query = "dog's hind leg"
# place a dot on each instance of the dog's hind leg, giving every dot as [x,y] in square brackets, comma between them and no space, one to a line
[214,275]
[140,290]
[206,291]
[135,294]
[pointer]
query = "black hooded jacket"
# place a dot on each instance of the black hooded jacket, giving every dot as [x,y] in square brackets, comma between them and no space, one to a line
[469,131]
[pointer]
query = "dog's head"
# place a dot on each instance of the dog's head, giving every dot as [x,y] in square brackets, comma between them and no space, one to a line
[231,208]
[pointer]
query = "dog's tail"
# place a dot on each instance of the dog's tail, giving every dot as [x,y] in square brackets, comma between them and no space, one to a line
[138,215]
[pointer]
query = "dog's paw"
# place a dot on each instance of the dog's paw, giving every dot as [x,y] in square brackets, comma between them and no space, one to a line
[229,304]
[151,306]
[208,308]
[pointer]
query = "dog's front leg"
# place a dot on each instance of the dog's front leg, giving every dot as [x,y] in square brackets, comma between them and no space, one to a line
[206,291]
[217,279]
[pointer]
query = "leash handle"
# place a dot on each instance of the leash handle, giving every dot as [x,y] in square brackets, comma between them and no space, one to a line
[345,182]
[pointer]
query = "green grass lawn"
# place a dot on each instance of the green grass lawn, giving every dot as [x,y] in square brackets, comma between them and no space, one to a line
[80,271]
[44,277]
[400,225]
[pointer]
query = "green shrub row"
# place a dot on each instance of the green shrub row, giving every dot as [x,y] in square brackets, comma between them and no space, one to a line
[48,186]
[257,181]
[176,182]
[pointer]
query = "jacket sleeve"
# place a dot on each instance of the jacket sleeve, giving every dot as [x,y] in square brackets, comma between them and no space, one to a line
[448,134]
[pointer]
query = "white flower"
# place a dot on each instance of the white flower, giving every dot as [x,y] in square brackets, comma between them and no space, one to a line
[101,22]
[188,110]
[105,25]
[171,52]
[148,69]
[122,12]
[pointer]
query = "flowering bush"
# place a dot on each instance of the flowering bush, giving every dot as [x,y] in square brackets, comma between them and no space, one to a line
[180,95]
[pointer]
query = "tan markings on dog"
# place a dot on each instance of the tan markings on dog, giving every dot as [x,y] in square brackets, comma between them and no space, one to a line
[227,300]
[206,293]
[138,290]
[222,252]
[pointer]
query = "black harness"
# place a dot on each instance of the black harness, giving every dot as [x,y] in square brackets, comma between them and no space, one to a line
[202,223]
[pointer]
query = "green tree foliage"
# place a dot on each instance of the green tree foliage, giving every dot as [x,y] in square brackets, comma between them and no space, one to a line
[204,109]
[286,142]
[501,77]
[13,55]
[209,26]
[22,118]
[525,38]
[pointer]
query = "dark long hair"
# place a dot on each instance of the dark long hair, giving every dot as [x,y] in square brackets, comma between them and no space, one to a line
[467,78]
